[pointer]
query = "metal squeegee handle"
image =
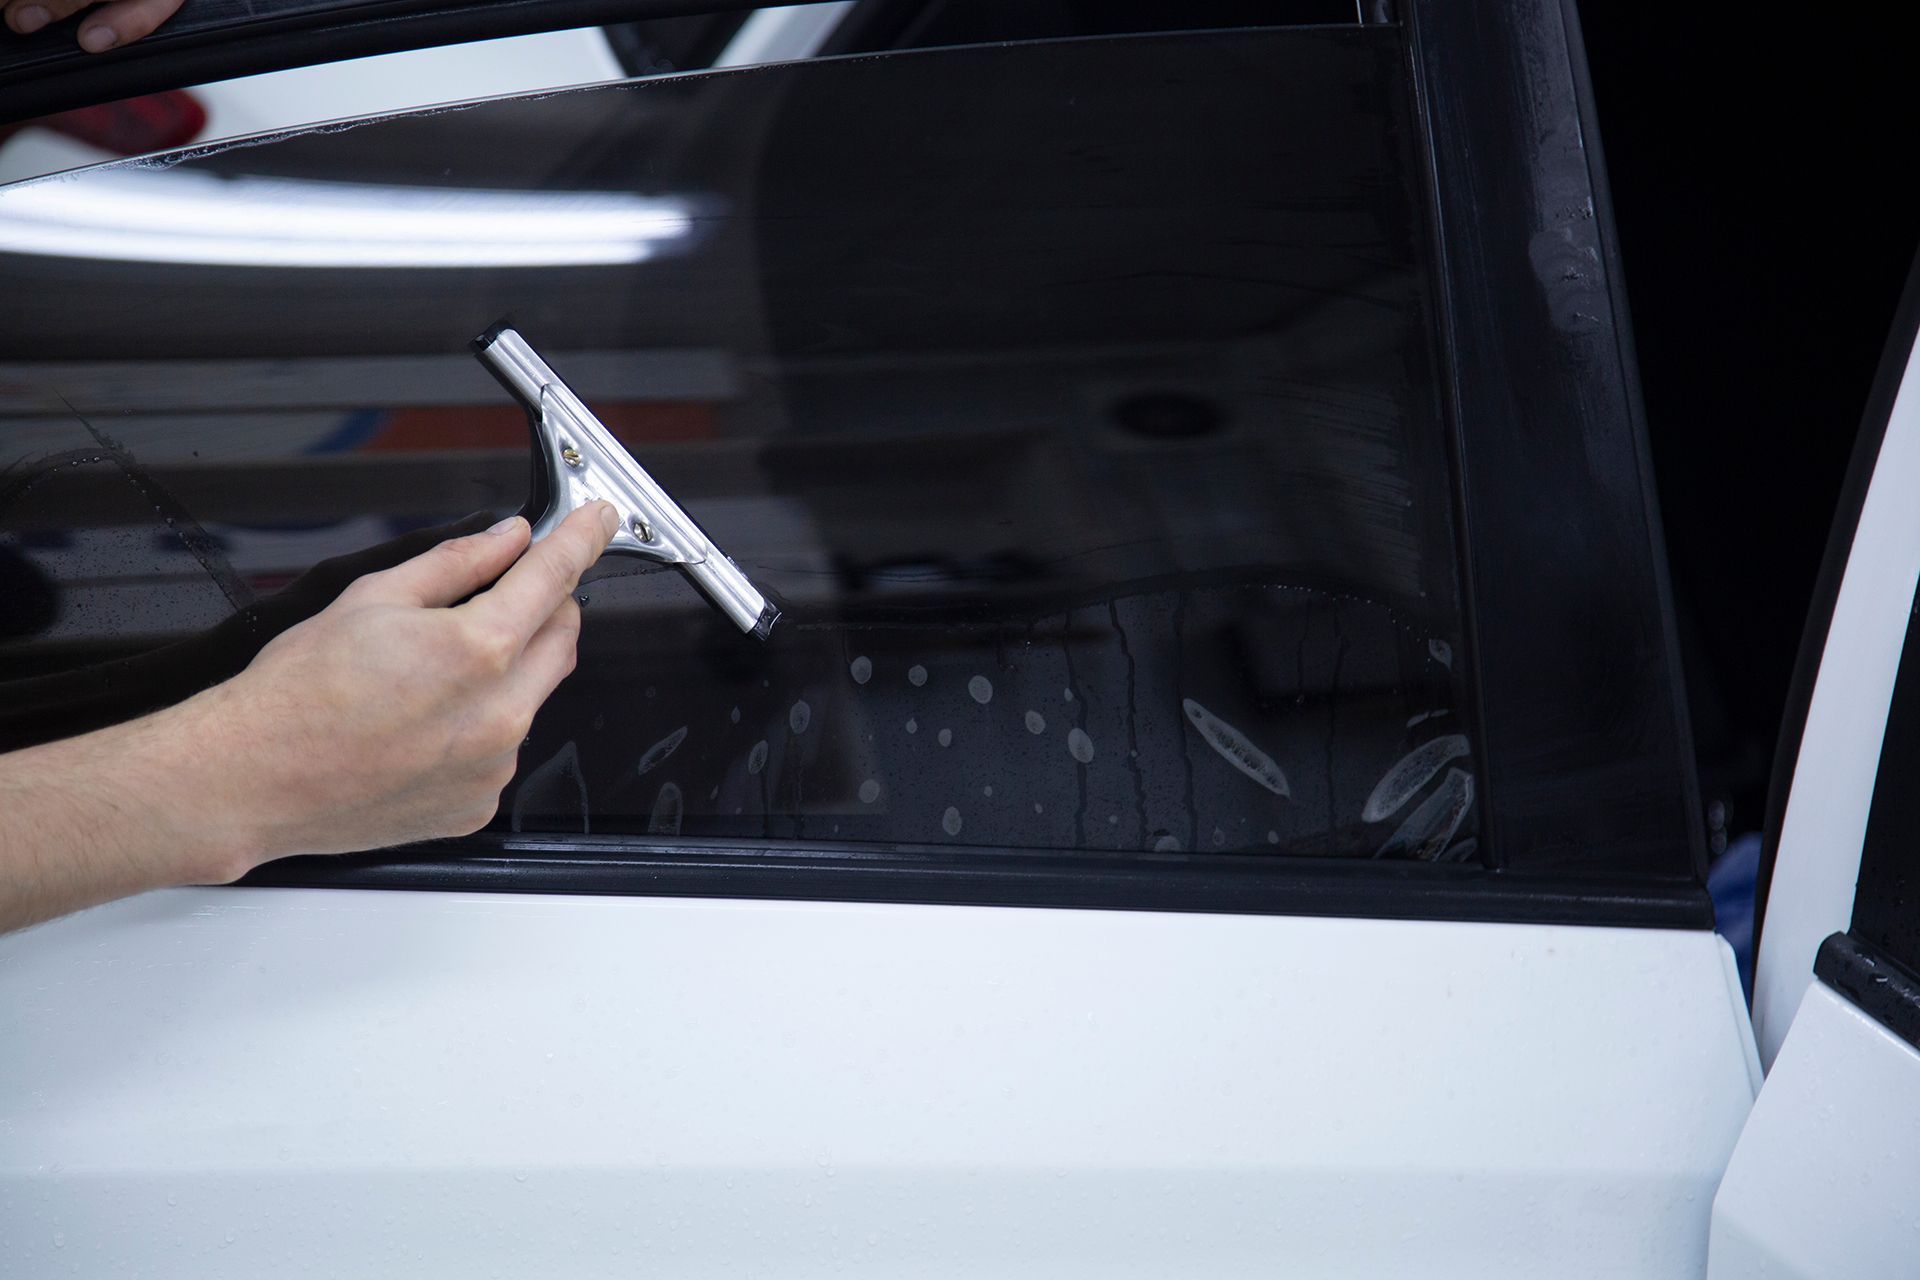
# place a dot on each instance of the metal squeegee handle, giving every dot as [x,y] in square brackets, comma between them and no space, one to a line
[584,463]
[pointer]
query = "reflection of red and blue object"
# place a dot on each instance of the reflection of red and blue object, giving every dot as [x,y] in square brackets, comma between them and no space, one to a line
[443,428]
[130,127]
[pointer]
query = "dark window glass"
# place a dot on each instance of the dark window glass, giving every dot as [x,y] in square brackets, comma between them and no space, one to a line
[1079,402]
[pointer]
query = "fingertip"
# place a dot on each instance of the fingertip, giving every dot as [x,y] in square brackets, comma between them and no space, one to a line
[609,519]
[98,38]
[512,524]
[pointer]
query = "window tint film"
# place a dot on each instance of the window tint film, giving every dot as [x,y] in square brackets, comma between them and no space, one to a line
[1078,401]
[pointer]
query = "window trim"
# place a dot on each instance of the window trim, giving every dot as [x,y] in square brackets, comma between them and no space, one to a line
[1221,883]
[213,40]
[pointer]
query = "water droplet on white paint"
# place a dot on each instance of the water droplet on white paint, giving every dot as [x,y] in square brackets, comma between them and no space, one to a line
[861,669]
[982,690]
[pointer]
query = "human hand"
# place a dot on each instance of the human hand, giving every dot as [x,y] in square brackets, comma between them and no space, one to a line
[394,714]
[108,27]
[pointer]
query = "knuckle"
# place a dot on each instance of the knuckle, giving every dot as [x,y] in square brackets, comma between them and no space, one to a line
[490,650]
[498,730]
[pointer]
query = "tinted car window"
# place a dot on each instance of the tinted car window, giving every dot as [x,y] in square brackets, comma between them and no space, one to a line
[1078,401]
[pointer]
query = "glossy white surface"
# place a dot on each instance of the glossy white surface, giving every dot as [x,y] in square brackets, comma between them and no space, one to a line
[265,1082]
[1811,895]
[1826,1179]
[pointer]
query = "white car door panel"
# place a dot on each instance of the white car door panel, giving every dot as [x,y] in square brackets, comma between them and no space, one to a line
[249,1082]
[1220,799]
[1826,1173]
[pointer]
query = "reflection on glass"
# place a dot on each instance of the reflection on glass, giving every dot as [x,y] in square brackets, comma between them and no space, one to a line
[180,216]
[1076,401]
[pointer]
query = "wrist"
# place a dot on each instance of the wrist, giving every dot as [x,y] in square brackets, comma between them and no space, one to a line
[197,789]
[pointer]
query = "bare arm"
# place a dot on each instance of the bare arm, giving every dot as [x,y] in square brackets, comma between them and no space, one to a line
[394,714]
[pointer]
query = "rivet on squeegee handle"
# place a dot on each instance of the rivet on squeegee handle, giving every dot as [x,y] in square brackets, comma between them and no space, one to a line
[582,463]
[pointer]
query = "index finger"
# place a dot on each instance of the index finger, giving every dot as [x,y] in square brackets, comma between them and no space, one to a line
[529,592]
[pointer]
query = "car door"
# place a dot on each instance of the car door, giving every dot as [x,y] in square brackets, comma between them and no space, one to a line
[1218,801]
[1822,1181]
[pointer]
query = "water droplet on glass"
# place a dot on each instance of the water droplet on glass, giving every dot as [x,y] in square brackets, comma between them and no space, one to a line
[1036,723]
[1236,748]
[1079,745]
[799,717]
[946,737]
[1410,773]
[1442,653]
[1038,807]
[982,690]
[736,715]
[987,791]
[950,820]
[1273,837]
[1166,844]
[757,758]
[861,669]
[668,809]
[553,791]
[913,726]
[1068,694]
[660,750]
[869,791]
[1428,828]
[916,675]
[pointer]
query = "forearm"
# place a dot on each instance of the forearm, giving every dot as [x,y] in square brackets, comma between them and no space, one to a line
[111,813]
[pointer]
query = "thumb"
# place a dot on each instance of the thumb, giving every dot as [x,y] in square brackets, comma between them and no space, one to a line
[451,571]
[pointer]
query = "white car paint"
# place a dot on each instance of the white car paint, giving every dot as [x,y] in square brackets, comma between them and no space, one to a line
[252,1082]
[1811,893]
[1823,1181]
